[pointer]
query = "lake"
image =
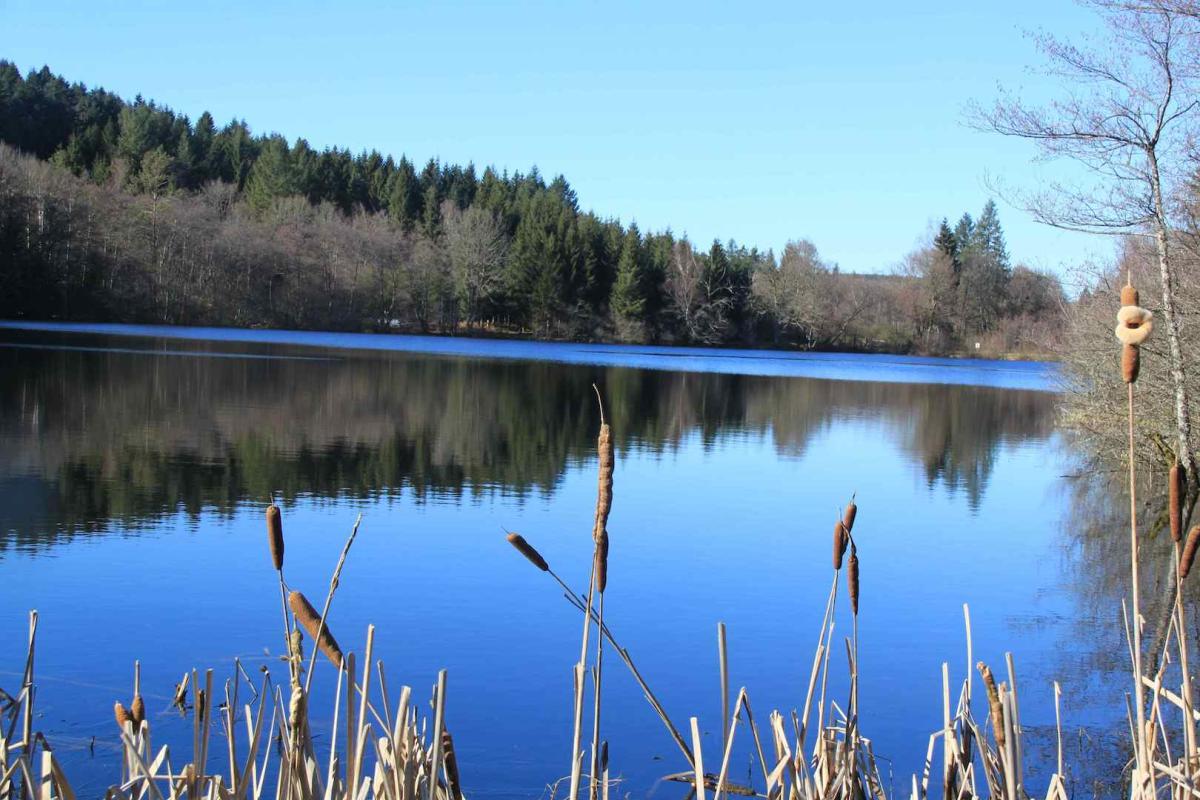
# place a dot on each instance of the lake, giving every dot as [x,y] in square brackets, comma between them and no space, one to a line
[139,462]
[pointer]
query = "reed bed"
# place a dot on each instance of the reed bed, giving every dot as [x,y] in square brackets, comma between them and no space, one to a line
[389,749]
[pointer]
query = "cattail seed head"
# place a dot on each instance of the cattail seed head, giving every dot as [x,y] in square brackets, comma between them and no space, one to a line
[997,711]
[602,561]
[275,535]
[308,617]
[1175,489]
[122,715]
[1131,363]
[137,711]
[604,489]
[1129,296]
[526,549]
[840,539]
[848,518]
[1134,324]
[852,579]
[1189,551]
[453,782]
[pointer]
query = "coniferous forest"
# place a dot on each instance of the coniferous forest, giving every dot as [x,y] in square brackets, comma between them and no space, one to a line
[125,211]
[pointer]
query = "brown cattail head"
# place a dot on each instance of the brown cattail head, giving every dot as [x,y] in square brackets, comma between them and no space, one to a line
[602,561]
[526,549]
[453,783]
[604,489]
[997,711]
[1131,362]
[852,579]
[1189,551]
[848,518]
[840,539]
[1129,296]
[1175,489]
[137,711]
[308,617]
[122,715]
[275,535]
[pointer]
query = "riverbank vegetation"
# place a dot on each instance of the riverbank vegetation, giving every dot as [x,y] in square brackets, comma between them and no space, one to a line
[116,210]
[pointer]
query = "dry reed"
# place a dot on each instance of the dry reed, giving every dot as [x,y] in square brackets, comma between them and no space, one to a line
[308,617]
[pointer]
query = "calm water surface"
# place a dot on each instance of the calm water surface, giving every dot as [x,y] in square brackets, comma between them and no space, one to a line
[138,463]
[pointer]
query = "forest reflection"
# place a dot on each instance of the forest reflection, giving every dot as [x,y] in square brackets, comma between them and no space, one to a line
[100,435]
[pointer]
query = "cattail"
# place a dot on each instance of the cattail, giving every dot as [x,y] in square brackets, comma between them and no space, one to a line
[1134,324]
[275,535]
[852,579]
[851,513]
[526,549]
[451,761]
[307,616]
[137,711]
[122,715]
[993,695]
[604,490]
[1131,363]
[1175,489]
[1189,551]
[840,539]
[602,560]
[1129,296]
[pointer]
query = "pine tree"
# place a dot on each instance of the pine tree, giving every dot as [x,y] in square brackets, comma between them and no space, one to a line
[271,176]
[404,195]
[945,241]
[628,300]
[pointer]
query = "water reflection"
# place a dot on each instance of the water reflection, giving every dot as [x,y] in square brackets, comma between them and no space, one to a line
[105,432]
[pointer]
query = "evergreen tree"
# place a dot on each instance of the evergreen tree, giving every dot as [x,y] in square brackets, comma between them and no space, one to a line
[271,176]
[946,242]
[629,302]
[404,195]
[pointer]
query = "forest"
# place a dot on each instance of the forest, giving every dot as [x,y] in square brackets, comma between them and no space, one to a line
[126,211]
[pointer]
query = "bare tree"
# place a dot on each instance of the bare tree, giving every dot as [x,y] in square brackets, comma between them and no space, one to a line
[476,246]
[1126,118]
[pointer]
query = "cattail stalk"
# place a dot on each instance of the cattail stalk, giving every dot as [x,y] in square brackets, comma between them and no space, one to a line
[453,782]
[1131,363]
[1175,488]
[275,535]
[312,622]
[1143,750]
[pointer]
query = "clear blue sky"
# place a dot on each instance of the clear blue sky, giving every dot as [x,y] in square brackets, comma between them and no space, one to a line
[762,122]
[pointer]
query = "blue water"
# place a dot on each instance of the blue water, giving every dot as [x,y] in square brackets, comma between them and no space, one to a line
[139,461]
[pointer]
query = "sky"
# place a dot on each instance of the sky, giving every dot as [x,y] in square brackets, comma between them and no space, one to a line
[763,122]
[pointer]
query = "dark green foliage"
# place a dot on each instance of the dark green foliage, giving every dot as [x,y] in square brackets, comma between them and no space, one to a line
[142,215]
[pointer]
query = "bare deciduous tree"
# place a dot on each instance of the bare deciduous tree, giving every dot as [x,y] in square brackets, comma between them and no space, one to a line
[1126,118]
[476,246]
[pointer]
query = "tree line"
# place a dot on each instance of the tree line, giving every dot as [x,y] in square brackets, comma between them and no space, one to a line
[128,211]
